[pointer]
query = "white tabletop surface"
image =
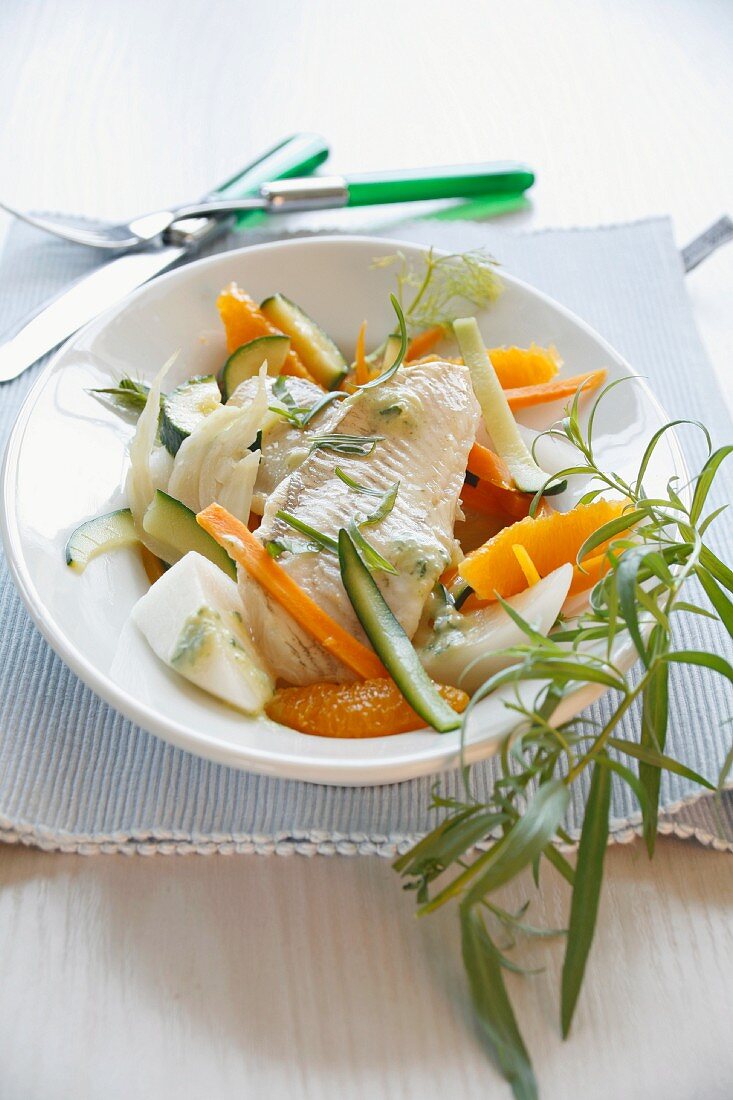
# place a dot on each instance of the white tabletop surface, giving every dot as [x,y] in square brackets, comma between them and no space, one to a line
[267,977]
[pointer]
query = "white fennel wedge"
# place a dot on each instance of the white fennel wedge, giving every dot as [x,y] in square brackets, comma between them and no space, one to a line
[464,649]
[191,618]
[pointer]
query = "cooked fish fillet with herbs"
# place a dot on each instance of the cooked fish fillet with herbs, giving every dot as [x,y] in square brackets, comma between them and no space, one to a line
[425,421]
[283,445]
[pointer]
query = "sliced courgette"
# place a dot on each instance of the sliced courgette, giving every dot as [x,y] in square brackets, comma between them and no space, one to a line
[185,407]
[390,641]
[498,417]
[170,522]
[97,536]
[246,361]
[391,350]
[315,348]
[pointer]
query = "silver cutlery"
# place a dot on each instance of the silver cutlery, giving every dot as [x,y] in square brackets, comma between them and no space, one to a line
[58,318]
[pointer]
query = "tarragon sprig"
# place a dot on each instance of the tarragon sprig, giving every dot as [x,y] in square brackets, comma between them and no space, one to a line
[654,551]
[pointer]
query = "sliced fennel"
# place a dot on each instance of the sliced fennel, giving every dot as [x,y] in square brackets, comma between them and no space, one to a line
[140,484]
[498,417]
[191,620]
[215,462]
[466,649]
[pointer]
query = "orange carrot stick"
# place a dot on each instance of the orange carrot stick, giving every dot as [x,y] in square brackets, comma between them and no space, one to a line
[488,466]
[424,342]
[153,566]
[363,374]
[524,396]
[494,501]
[249,552]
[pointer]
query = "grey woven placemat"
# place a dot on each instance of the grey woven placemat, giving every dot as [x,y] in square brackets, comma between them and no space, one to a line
[77,776]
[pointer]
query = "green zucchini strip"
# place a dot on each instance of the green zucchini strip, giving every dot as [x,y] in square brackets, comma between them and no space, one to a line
[390,642]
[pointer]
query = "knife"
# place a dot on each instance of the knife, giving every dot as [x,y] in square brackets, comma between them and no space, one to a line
[59,317]
[455,181]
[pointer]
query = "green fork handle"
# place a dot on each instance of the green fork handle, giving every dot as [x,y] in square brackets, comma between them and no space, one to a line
[458,181]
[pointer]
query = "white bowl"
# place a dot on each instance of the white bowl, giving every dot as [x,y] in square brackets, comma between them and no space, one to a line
[66,461]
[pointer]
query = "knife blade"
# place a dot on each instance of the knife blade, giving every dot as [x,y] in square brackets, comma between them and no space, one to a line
[61,316]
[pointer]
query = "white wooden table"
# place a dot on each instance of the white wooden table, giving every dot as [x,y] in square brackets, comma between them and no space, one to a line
[246,977]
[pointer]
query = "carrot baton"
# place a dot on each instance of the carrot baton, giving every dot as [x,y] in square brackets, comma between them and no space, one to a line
[424,342]
[522,397]
[249,552]
[488,466]
[362,373]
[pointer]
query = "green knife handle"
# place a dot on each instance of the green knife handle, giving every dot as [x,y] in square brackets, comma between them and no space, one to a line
[298,155]
[458,181]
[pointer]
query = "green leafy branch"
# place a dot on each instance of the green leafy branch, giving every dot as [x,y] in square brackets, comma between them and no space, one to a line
[654,550]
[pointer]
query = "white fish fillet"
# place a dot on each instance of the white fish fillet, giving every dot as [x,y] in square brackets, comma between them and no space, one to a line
[427,416]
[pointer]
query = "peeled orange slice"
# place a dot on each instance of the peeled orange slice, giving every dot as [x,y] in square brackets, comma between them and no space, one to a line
[244,321]
[550,540]
[365,708]
[524,366]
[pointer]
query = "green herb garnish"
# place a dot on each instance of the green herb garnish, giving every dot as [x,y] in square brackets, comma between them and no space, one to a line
[442,290]
[641,596]
[321,541]
[277,547]
[397,363]
[386,498]
[360,445]
[127,397]
[374,561]
[299,416]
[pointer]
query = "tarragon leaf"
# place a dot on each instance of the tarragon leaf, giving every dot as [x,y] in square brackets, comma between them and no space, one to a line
[493,1007]
[586,890]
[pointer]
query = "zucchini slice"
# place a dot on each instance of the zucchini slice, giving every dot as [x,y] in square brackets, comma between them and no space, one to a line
[390,641]
[498,417]
[185,407]
[169,521]
[316,349]
[99,535]
[392,349]
[246,361]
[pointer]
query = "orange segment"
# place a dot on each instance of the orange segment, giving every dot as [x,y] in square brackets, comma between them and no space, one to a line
[550,540]
[367,708]
[524,366]
[244,321]
[593,570]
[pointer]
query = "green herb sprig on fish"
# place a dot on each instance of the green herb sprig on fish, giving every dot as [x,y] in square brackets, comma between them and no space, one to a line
[657,551]
[370,555]
[359,445]
[299,416]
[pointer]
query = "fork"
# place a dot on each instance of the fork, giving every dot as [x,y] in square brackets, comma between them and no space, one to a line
[284,196]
